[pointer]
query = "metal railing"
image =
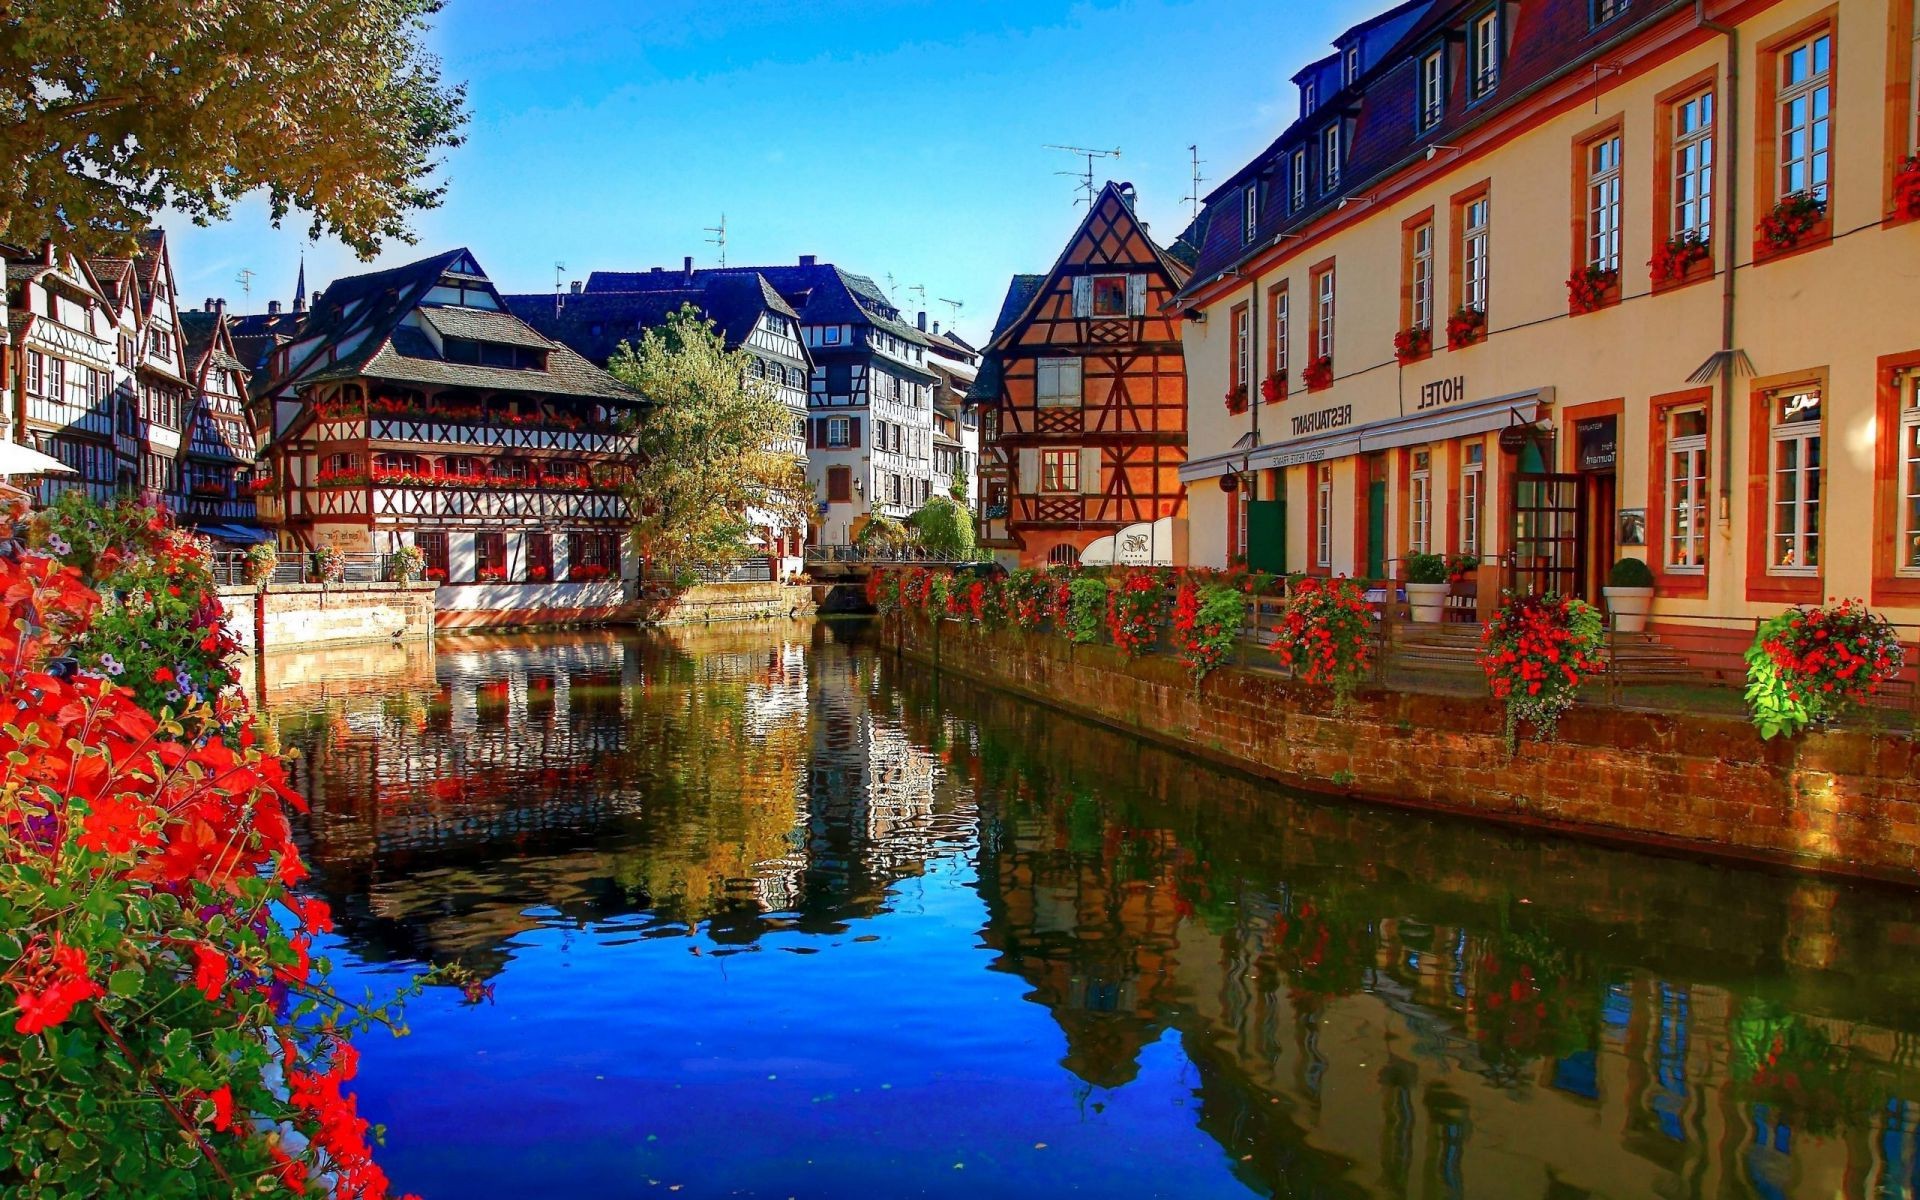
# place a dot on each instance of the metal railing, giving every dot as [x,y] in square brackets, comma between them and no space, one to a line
[876,554]
[230,569]
[758,569]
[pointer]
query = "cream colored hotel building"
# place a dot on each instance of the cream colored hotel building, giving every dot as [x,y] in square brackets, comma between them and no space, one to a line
[1749,425]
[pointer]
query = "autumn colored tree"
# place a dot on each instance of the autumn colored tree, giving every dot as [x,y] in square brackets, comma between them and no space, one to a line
[715,443]
[111,113]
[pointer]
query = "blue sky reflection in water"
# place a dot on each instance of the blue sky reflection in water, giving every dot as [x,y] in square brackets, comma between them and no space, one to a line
[799,921]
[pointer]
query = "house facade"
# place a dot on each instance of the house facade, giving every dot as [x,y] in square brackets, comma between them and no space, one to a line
[956,423]
[218,480]
[70,354]
[151,432]
[1547,285]
[423,413]
[1084,392]
[746,312]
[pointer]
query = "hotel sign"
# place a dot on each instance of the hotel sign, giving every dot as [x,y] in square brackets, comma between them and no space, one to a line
[1442,392]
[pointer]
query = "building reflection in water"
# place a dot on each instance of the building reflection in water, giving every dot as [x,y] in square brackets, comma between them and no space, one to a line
[1373,1003]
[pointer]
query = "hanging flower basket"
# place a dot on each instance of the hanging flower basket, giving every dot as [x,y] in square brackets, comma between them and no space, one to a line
[1319,373]
[1807,666]
[1677,258]
[1791,220]
[1273,389]
[1536,653]
[1326,636]
[1237,399]
[1590,289]
[1465,327]
[1906,188]
[1412,344]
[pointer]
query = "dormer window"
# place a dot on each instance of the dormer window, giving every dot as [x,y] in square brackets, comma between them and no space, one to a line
[1483,47]
[1599,12]
[1433,89]
[1353,64]
[1330,158]
[1299,180]
[1307,100]
[1249,212]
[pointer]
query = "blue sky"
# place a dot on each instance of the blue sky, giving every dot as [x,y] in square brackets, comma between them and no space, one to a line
[899,136]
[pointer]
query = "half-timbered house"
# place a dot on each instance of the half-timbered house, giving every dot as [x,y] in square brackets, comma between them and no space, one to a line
[956,423]
[217,478]
[152,429]
[747,313]
[1084,384]
[65,331]
[426,414]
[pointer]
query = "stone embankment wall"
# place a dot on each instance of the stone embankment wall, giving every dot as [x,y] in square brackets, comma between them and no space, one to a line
[1846,802]
[726,602]
[300,616]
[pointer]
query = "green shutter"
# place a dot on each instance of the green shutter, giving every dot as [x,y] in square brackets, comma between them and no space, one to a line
[1267,536]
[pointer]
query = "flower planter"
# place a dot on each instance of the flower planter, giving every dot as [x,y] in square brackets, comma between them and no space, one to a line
[1629,607]
[1428,602]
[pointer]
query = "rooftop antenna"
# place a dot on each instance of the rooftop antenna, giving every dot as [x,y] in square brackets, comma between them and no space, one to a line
[719,237]
[1194,198]
[920,290]
[245,280]
[559,286]
[956,306]
[893,286]
[1085,177]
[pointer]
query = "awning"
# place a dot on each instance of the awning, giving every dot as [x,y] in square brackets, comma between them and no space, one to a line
[239,535]
[1460,420]
[16,459]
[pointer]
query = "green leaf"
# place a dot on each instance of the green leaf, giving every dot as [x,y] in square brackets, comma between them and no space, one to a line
[127,981]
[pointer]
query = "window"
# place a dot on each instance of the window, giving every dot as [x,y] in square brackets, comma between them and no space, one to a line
[1299,180]
[837,428]
[1059,470]
[490,555]
[839,379]
[1476,217]
[1686,498]
[1473,463]
[1804,106]
[1242,346]
[36,372]
[1308,99]
[461,466]
[1323,314]
[833,335]
[1603,203]
[56,379]
[593,554]
[1794,483]
[1279,309]
[1110,296]
[1249,213]
[1433,89]
[839,485]
[1599,12]
[1483,45]
[1908,550]
[1420,504]
[1692,166]
[1323,515]
[1057,383]
[1330,158]
[1353,63]
[162,345]
[539,546]
[1420,276]
[432,544]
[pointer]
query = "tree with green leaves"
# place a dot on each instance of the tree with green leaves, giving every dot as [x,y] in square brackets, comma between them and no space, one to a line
[113,113]
[714,443]
[944,528]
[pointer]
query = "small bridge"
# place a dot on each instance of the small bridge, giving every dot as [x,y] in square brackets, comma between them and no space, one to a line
[853,564]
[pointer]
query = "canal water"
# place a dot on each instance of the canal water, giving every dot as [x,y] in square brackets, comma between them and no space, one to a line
[765,912]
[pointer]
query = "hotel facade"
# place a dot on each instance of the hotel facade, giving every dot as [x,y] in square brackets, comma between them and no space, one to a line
[1547,284]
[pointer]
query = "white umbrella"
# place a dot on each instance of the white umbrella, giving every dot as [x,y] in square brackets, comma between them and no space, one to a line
[16,459]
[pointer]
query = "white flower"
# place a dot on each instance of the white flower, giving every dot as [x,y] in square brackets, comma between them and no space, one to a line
[58,544]
[110,664]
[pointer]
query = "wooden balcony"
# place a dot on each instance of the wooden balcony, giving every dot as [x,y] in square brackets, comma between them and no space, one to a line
[484,503]
[424,431]
[207,508]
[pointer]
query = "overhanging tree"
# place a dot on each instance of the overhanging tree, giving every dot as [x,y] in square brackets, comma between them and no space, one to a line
[714,443]
[111,113]
[944,528]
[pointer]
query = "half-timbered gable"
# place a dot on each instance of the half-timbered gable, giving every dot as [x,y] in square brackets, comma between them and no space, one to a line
[1086,384]
[65,330]
[162,398]
[217,474]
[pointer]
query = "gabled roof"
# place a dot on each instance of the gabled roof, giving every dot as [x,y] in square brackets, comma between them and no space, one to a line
[594,323]
[819,293]
[207,338]
[1020,292]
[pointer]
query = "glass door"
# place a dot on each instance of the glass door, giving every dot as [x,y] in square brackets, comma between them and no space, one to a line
[1549,534]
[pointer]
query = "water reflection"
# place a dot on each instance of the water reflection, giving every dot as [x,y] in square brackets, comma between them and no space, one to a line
[1248,993]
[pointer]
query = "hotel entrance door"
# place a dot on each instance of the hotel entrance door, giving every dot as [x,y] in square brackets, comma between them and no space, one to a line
[1549,524]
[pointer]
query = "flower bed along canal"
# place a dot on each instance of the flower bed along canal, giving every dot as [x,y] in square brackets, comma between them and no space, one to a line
[763,912]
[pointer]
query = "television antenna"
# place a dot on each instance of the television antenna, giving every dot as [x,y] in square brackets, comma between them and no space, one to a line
[245,280]
[559,285]
[1085,177]
[719,237]
[956,306]
[1194,199]
[920,290]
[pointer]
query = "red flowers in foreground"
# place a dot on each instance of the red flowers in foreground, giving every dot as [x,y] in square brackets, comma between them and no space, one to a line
[1326,635]
[1536,652]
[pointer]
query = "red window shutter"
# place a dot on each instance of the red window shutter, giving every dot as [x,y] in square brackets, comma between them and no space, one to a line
[853,432]
[813,434]
[1233,527]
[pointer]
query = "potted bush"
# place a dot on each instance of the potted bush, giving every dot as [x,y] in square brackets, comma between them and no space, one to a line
[259,564]
[1427,587]
[1629,594]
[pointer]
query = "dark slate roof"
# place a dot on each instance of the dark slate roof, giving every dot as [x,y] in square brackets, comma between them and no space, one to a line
[986,384]
[594,323]
[1550,39]
[819,293]
[406,356]
[480,325]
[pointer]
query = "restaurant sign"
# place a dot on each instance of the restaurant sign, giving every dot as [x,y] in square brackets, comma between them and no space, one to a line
[1597,443]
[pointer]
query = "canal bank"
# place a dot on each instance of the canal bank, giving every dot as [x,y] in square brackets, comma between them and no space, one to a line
[1846,802]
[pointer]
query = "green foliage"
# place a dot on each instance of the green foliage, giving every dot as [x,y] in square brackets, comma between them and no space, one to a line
[714,442]
[1426,568]
[1630,573]
[1086,609]
[1206,623]
[405,564]
[335,108]
[262,560]
[883,533]
[944,529]
[1807,666]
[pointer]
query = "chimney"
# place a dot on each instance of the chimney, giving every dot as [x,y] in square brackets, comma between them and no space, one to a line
[936,328]
[209,305]
[687,266]
[659,270]
[808,260]
[923,320]
[273,308]
[575,287]
[219,307]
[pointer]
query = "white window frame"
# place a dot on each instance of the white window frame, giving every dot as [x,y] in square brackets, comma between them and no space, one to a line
[1308,98]
[1056,479]
[1484,48]
[1691,169]
[1282,316]
[1908,489]
[1420,504]
[1476,224]
[1057,383]
[1324,296]
[1473,469]
[1813,157]
[1299,180]
[1243,346]
[1604,181]
[1420,306]
[1809,475]
[1249,212]
[1352,63]
[1433,88]
[839,433]
[1330,158]
[1686,494]
[1323,516]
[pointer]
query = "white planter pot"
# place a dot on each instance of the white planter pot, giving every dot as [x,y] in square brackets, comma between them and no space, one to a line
[1428,601]
[1629,607]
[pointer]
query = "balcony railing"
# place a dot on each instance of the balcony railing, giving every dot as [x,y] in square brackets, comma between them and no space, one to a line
[758,569]
[230,568]
[427,431]
[221,509]
[484,502]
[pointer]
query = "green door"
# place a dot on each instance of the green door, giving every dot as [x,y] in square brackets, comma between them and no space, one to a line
[1267,536]
[1377,529]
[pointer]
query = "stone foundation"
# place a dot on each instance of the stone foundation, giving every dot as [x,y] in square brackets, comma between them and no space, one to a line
[304,615]
[1846,802]
[707,602]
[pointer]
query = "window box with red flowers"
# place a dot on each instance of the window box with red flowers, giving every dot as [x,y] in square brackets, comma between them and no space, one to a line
[434,574]
[1682,258]
[491,574]
[1412,344]
[1466,327]
[539,574]
[1906,189]
[1794,221]
[1319,373]
[1273,389]
[1591,288]
[587,573]
[1237,399]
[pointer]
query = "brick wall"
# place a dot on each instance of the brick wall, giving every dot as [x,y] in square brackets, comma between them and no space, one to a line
[1847,802]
